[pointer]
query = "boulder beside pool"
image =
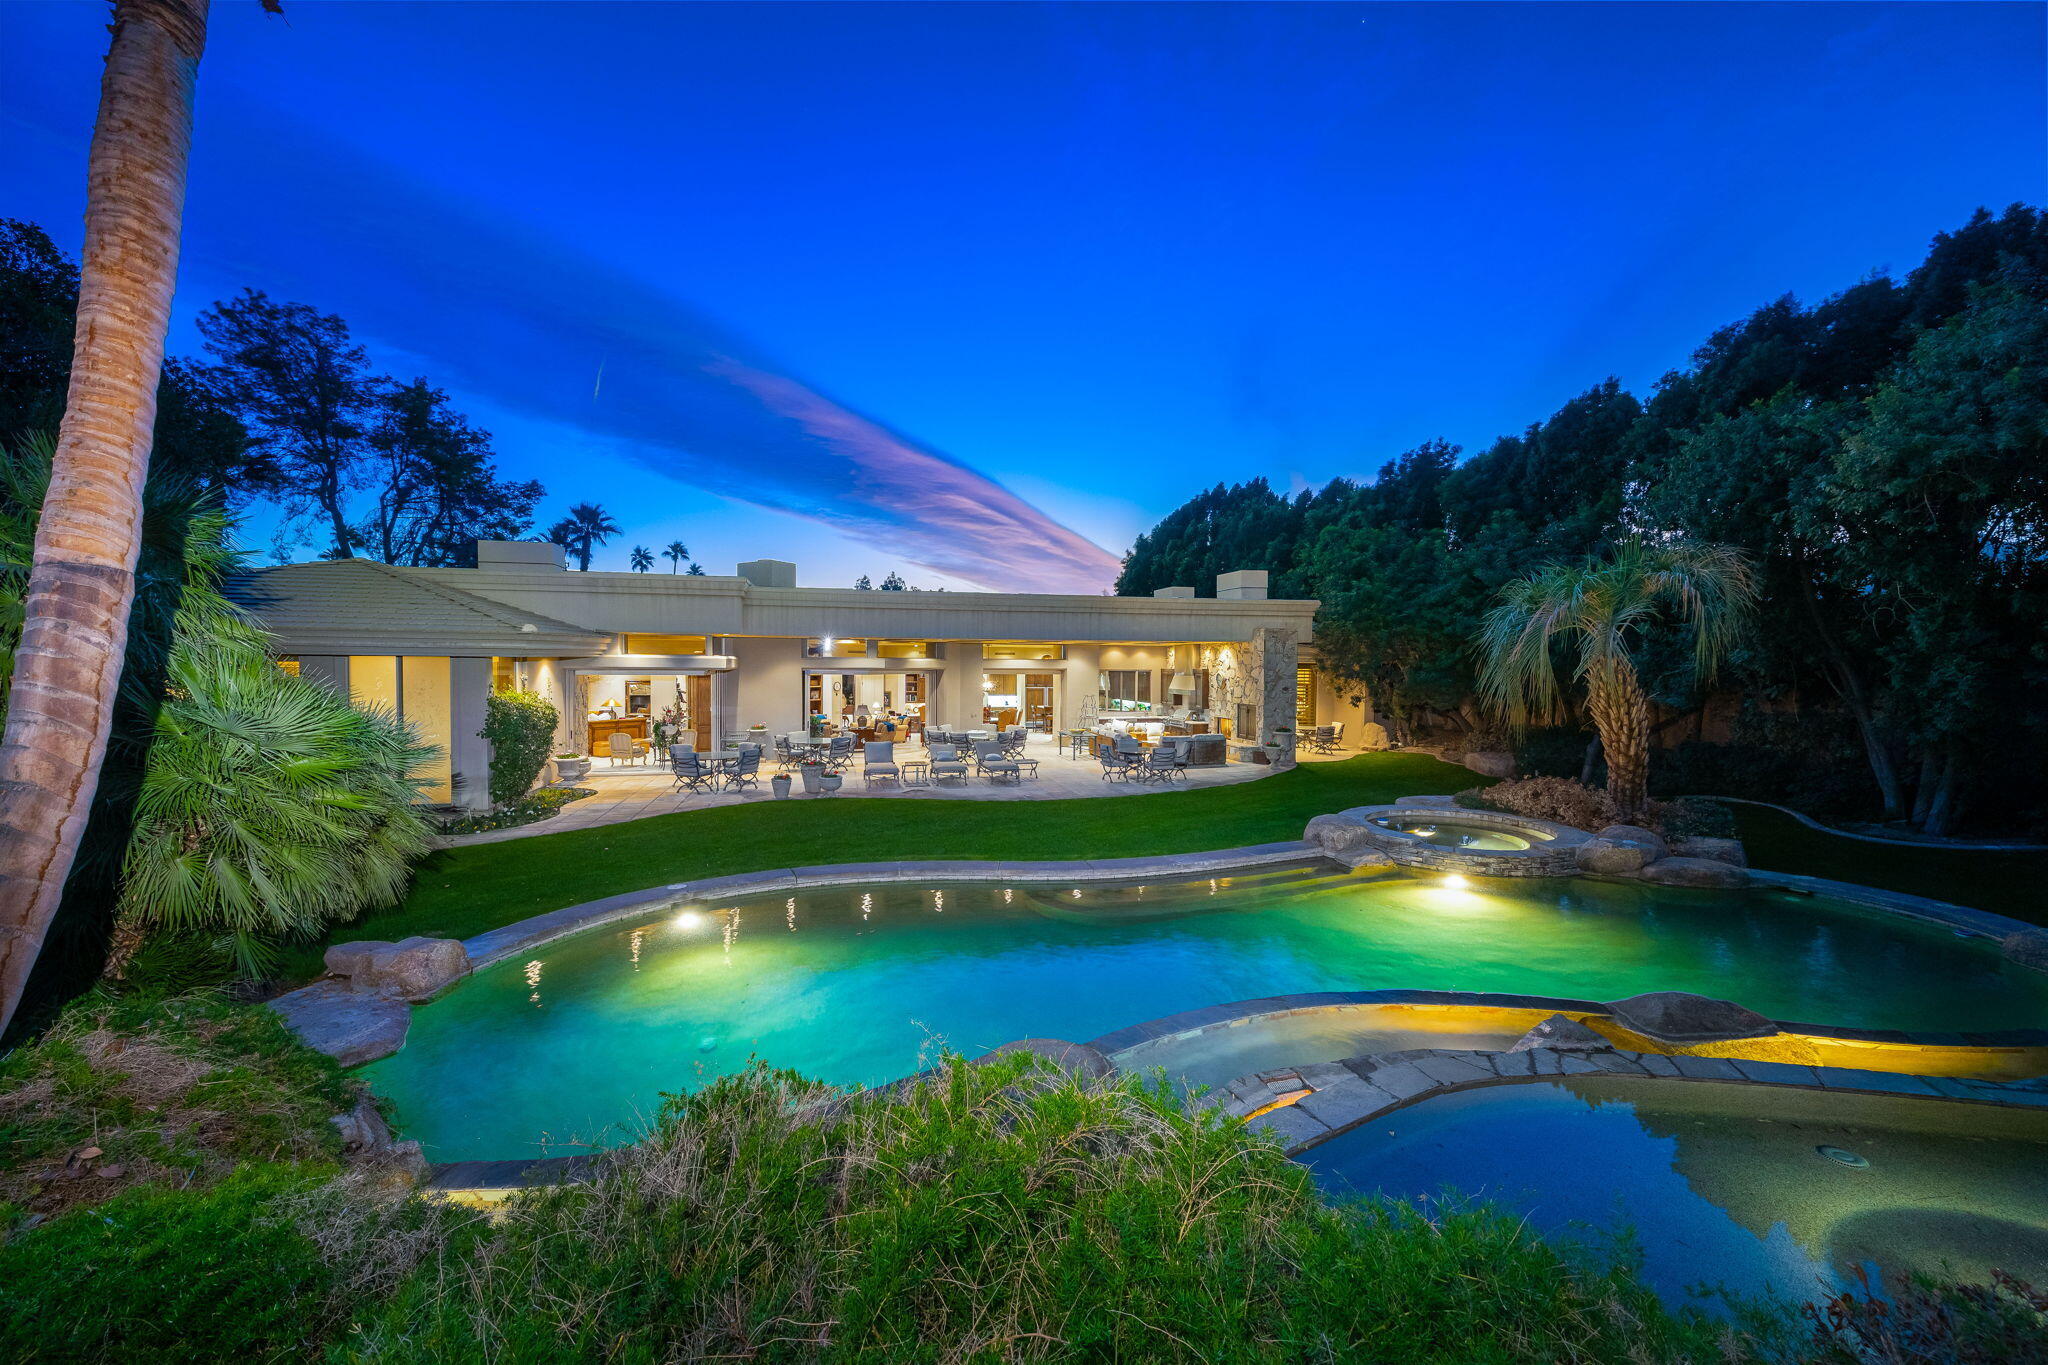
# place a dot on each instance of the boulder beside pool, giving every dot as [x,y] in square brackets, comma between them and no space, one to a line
[1682,1017]
[2028,948]
[411,969]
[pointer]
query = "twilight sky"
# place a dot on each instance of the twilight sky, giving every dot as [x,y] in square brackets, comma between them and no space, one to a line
[978,291]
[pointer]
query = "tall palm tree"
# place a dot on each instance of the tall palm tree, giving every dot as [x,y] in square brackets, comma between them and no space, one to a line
[642,559]
[1604,606]
[675,552]
[82,576]
[585,528]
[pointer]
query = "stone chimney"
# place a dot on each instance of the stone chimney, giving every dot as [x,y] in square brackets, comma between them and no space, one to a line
[524,556]
[1241,585]
[769,573]
[1173,592]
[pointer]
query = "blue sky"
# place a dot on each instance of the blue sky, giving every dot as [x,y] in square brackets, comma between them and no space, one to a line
[916,287]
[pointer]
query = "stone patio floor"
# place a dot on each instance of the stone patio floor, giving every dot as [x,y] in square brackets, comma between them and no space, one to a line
[632,792]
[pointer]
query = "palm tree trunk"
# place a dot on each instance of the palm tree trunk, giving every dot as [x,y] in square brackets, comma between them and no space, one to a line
[82,580]
[1621,715]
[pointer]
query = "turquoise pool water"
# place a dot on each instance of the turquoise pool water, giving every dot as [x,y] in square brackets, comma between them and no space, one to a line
[857,985]
[1725,1186]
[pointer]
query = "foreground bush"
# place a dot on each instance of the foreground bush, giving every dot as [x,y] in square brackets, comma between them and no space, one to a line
[997,1213]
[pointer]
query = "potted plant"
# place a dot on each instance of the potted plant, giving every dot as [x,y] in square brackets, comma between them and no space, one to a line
[780,784]
[818,779]
[571,767]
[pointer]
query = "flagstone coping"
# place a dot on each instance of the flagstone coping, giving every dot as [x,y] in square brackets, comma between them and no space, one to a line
[1301,1107]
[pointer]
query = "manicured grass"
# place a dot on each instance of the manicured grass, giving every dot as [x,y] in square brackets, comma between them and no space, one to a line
[2013,884]
[464,891]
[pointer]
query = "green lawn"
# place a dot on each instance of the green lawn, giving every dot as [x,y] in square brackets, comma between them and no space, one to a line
[2013,884]
[464,891]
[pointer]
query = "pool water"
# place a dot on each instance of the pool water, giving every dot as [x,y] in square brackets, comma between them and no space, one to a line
[577,1042]
[1749,1189]
[1448,832]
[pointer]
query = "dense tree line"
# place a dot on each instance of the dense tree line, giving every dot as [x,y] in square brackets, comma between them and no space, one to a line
[285,409]
[1882,456]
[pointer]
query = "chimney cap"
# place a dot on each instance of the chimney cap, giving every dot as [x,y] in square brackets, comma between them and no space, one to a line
[1242,585]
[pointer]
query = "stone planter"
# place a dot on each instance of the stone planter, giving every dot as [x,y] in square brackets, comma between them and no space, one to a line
[814,776]
[569,770]
[780,784]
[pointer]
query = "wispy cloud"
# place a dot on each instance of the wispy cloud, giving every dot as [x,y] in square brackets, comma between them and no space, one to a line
[526,322]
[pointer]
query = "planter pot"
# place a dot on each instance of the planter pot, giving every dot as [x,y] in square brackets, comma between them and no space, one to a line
[571,769]
[780,782]
[814,776]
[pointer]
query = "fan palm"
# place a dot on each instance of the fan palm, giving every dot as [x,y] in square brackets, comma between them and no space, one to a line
[1604,606]
[675,552]
[82,580]
[585,528]
[642,559]
[270,807]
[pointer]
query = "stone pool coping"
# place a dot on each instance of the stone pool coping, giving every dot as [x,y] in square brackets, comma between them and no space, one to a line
[1552,851]
[1966,919]
[1303,1107]
[498,944]
[1192,1023]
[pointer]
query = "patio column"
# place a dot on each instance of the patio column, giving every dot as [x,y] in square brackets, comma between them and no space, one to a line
[469,683]
[1275,651]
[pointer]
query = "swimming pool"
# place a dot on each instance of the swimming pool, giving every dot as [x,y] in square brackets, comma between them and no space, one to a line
[1753,1189]
[576,1042]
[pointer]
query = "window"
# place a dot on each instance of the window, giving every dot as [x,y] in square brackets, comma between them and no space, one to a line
[667,644]
[504,677]
[1304,698]
[1126,689]
[903,649]
[288,663]
[416,690]
[833,647]
[1023,649]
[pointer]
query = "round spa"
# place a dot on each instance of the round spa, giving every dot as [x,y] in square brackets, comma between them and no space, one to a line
[575,1042]
[1452,831]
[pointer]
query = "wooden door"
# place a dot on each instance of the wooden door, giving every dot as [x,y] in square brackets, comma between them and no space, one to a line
[698,686]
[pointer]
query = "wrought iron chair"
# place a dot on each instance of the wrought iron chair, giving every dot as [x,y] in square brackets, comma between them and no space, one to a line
[688,766]
[947,763]
[879,762]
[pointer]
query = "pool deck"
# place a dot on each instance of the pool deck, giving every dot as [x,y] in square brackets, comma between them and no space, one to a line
[634,792]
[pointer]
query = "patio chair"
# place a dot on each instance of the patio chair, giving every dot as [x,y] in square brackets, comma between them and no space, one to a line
[1013,740]
[689,769]
[1117,767]
[989,762]
[746,772]
[880,762]
[1337,737]
[1165,763]
[839,754]
[947,763]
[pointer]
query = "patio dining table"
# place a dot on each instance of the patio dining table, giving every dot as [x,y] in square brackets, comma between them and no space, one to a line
[721,763]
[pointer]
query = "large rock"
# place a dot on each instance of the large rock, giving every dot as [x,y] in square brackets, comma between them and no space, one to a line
[350,1027]
[1372,737]
[1561,1034]
[1491,763]
[1337,834]
[1649,840]
[1720,850]
[1706,873]
[411,969]
[366,1137]
[2028,947]
[1681,1017]
[1611,859]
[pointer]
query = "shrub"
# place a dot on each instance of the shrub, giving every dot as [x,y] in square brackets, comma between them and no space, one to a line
[1553,751]
[270,807]
[520,727]
[1546,798]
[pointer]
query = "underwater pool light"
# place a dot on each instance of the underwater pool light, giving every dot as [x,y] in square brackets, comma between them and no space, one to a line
[690,919]
[1456,882]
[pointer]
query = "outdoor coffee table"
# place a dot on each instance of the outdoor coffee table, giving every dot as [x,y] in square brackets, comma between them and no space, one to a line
[917,773]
